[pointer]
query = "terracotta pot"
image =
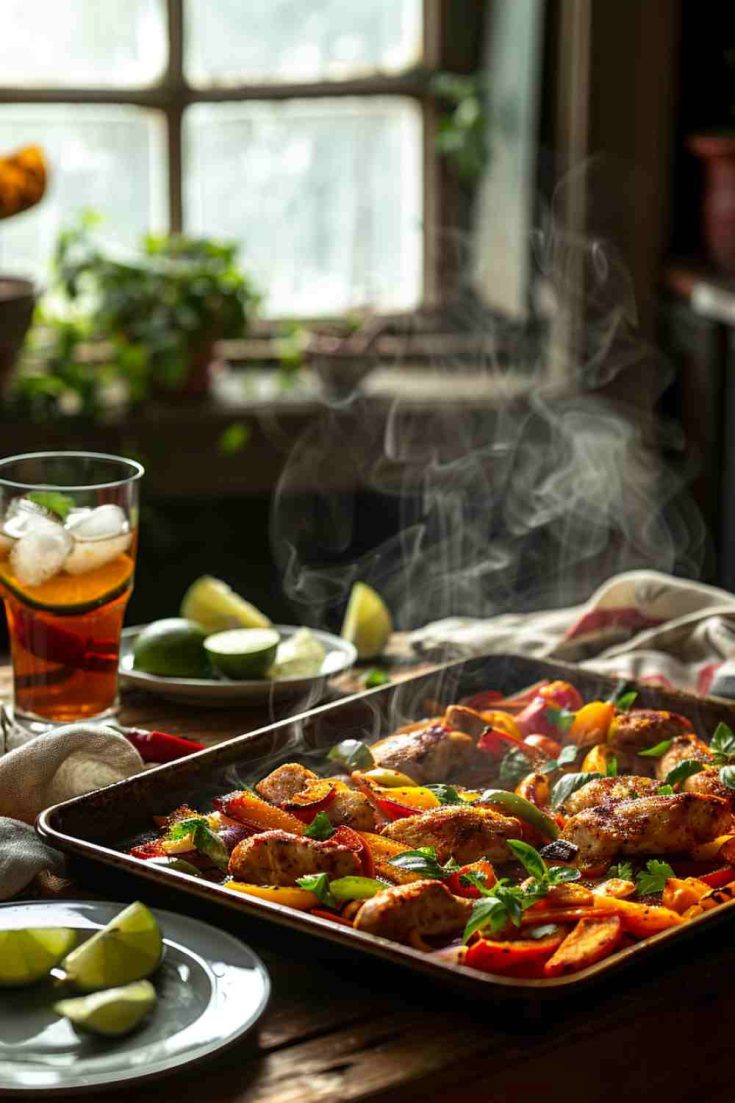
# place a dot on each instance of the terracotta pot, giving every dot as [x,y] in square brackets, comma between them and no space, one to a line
[717,152]
[17,299]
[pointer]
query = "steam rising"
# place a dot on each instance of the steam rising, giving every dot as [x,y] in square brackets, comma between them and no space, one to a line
[529,496]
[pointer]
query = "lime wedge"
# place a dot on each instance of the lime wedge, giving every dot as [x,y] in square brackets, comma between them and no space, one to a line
[127,949]
[301,656]
[213,605]
[28,955]
[243,652]
[367,621]
[112,1013]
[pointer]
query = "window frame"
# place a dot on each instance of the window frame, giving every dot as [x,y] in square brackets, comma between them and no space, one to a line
[451,37]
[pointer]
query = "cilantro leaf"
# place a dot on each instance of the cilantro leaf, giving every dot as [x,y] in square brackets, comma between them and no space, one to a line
[445,794]
[529,858]
[352,754]
[488,911]
[567,756]
[623,870]
[53,501]
[182,828]
[665,791]
[318,883]
[653,879]
[722,743]
[375,678]
[611,770]
[321,827]
[559,875]
[657,751]
[205,840]
[682,771]
[424,861]
[569,784]
[727,776]
[626,700]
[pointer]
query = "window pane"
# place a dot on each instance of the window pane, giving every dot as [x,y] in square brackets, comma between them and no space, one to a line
[289,40]
[82,43]
[324,195]
[107,157]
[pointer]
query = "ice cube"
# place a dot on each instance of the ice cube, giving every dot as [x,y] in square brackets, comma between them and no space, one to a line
[23,516]
[88,555]
[39,553]
[97,524]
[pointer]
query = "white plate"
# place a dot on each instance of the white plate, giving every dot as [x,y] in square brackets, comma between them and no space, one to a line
[340,656]
[211,990]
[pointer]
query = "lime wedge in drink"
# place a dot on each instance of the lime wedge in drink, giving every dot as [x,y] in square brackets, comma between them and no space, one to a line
[127,949]
[28,955]
[243,652]
[367,621]
[172,648]
[213,605]
[114,1012]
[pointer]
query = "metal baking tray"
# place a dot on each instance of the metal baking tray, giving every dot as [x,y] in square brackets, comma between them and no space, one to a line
[100,825]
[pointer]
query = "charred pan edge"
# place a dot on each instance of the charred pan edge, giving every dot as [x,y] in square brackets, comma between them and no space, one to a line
[508,672]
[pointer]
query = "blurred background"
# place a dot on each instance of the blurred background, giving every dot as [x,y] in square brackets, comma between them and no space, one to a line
[453,309]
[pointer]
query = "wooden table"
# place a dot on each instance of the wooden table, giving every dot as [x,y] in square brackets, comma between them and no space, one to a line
[342,1029]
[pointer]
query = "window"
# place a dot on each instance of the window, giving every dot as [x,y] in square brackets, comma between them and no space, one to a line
[297,129]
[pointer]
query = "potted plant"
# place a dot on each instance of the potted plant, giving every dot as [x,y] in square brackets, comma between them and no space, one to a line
[22,185]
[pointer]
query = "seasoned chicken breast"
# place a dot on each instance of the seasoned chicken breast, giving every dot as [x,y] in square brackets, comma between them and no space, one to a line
[348,807]
[279,858]
[464,834]
[431,752]
[683,747]
[649,825]
[426,909]
[640,729]
[606,790]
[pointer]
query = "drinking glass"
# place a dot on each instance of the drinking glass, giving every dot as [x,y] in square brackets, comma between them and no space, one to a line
[68,539]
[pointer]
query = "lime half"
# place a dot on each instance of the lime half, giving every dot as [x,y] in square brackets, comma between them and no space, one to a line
[127,949]
[367,621]
[112,1013]
[172,648]
[243,652]
[213,605]
[28,955]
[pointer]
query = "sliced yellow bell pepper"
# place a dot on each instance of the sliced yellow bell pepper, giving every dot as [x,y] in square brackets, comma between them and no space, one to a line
[293,897]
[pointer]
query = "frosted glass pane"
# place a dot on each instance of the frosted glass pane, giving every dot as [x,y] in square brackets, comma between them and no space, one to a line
[231,42]
[324,195]
[109,158]
[82,43]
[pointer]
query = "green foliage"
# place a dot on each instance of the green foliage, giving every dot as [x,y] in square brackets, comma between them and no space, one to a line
[124,325]
[462,131]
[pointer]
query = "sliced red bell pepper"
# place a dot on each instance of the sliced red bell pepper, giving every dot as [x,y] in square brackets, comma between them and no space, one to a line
[316,798]
[538,719]
[155,746]
[334,916]
[469,892]
[521,957]
[347,837]
[562,695]
[544,743]
[717,877]
[497,743]
[392,810]
[146,851]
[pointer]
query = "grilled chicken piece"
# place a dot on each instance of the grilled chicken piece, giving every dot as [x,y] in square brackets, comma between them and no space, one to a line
[683,747]
[280,858]
[464,834]
[348,807]
[608,790]
[410,913]
[707,784]
[649,825]
[431,752]
[640,729]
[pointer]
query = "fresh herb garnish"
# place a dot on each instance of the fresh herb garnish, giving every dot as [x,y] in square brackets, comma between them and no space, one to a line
[658,751]
[611,770]
[203,838]
[353,754]
[727,776]
[626,700]
[567,756]
[722,744]
[445,794]
[424,862]
[665,791]
[653,878]
[321,827]
[504,902]
[682,771]
[318,883]
[59,504]
[623,870]
[375,678]
[562,719]
[514,766]
[569,784]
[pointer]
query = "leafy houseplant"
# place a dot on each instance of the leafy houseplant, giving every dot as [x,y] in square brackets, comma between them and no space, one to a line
[133,325]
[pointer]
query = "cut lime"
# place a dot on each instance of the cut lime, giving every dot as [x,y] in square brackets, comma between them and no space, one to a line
[172,648]
[127,949]
[213,605]
[243,652]
[300,656]
[28,955]
[367,621]
[112,1013]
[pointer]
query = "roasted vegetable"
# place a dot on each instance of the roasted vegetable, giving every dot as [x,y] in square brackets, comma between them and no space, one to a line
[522,957]
[590,941]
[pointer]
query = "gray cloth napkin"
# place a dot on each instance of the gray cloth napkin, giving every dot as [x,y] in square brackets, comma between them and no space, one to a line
[53,767]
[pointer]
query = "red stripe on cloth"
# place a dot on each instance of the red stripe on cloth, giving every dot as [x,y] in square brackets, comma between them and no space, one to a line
[598,619]
[706,676]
